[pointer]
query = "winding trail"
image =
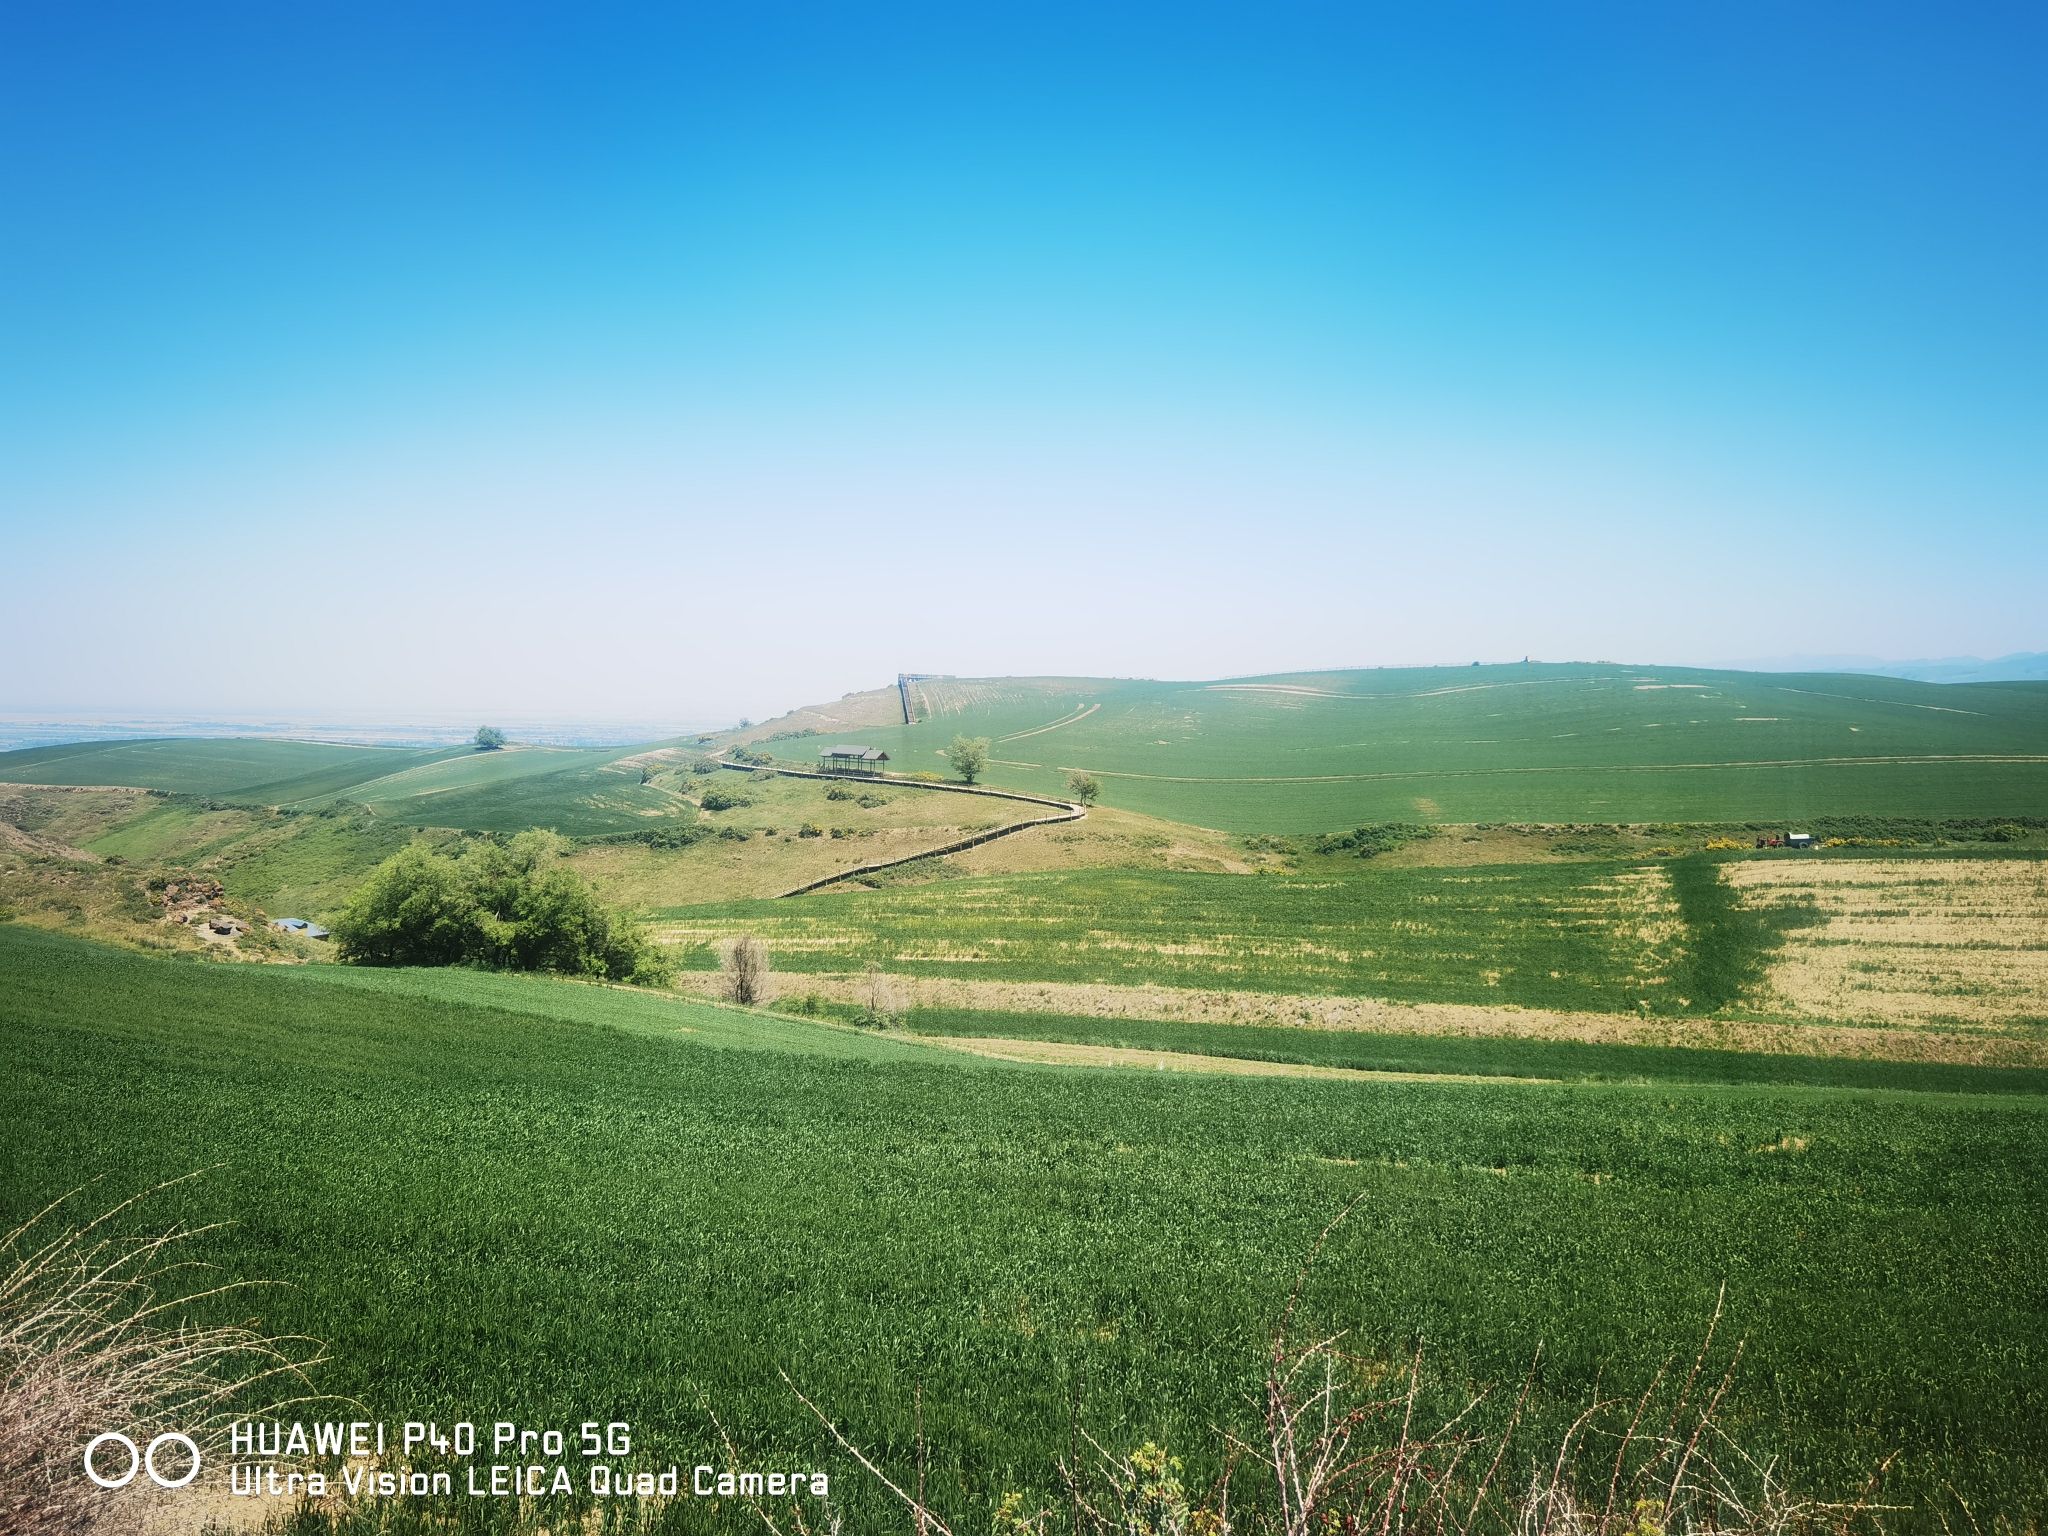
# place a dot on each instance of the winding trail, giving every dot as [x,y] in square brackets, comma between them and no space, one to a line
[1067,810]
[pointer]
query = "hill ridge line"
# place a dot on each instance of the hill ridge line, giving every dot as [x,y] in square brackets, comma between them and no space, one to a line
[1476,773]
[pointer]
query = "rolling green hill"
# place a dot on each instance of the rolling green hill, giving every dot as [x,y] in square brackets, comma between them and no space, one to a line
[1536,742]
[577,791]
[1299,752]
[255,771]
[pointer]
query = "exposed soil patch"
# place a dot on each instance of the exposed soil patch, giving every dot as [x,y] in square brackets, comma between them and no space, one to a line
[1069,1054]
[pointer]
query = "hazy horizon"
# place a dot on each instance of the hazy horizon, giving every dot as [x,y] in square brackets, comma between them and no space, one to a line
[26,727]
[689,364]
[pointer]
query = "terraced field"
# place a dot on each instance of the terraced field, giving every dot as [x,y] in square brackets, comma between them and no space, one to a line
[1947,943]
[1598,937]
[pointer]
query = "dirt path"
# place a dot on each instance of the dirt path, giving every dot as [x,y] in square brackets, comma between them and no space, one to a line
[1039,730]
[1060,1053]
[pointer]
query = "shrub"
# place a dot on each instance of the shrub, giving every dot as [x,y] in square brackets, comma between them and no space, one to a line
[880,1003]
[810,829]
[2004,832]
[838,792]
[1366,841]
[670,837]
[503,906]
[417,908]
[721,800]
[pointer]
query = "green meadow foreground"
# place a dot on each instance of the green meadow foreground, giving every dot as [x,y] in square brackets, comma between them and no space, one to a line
[501,1197]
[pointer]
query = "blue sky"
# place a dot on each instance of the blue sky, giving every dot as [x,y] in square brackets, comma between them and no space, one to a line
[598,358]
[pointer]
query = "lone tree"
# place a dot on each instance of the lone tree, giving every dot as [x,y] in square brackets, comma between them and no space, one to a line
[880,1004]
[744,961]
[969,755]
[489,738]
[1082,788]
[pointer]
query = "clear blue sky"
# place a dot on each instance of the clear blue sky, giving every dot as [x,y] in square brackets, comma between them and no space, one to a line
[606,358]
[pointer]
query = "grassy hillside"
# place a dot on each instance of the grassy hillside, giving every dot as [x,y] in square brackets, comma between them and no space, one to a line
[578,792]
[220,768]
[457,1171]
[1543,742]
[775,833]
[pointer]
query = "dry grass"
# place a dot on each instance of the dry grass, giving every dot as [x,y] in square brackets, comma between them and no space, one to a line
[70,815]
[1115,839]
[1468,1020]
[1068,1054]
[95,1337]
[869,707]
[913,821]
[774,858]
[1910,942]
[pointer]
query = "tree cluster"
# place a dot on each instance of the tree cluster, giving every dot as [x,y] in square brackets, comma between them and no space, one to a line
[509,906]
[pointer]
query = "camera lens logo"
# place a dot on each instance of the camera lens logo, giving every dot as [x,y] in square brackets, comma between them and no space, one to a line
[139,1460]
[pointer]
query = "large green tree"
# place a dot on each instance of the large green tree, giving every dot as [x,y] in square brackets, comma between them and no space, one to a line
[509,905]
[969,756]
